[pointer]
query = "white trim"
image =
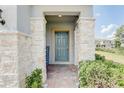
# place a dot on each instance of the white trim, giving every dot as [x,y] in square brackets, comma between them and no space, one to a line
[15,32]
[62,63]
[24,34]
[85,18]
[62,13]
[75,48]
[38,19]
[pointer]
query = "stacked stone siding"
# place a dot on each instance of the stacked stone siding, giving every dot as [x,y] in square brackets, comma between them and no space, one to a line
[39,44]
[25,61]
[8,60]
[85,42]
[15,58]
[21,53]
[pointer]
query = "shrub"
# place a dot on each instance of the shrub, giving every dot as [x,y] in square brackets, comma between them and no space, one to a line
[101,74]
[120,83]
[35,79]
[99,57]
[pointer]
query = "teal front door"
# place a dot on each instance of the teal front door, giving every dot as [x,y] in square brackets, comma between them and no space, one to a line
[61,46]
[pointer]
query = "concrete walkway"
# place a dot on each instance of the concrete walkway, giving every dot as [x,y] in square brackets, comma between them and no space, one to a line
[62,76]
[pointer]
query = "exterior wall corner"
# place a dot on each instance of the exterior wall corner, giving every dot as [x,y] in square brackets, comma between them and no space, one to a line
[85,39]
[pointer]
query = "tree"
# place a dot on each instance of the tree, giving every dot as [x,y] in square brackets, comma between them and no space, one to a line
[119,31]
[117,43]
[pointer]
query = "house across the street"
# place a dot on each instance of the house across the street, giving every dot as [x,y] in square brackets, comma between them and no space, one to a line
[104,43]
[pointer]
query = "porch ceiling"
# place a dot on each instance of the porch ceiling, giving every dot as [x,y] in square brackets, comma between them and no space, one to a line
[64,18]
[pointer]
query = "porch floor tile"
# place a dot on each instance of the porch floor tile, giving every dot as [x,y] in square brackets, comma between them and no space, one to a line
[62,76]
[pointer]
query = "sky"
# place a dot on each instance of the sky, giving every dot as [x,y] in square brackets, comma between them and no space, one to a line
[108,19]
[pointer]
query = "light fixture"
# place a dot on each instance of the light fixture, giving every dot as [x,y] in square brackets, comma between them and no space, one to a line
[59,15]
[2,21]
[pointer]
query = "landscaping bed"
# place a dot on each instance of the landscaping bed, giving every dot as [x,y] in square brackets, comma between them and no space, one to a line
[101,73]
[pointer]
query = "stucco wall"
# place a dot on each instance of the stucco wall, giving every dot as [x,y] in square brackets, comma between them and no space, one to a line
[87,10]
[23,18]
[9,14]
[49,37]
[17,18]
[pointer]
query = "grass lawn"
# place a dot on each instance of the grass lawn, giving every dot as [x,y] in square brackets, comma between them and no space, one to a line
[112,56]
[119,51]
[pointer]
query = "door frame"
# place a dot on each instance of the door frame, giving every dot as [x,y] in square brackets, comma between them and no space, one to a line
[53,46]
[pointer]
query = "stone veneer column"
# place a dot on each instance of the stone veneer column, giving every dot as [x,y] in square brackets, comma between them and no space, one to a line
[38,27]
[85,40]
